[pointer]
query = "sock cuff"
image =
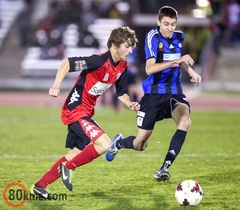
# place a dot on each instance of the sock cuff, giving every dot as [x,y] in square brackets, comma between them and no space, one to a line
[181,131]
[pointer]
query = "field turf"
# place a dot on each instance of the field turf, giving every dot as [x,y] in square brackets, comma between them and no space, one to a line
[32,139]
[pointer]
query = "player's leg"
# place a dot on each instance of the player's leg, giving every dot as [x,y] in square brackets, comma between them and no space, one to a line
[89,130]
[146,118]
[139,143]
[181,117]
[67,175]
[51,175]
[72,153]
[90,152]
[87,155]
[40,187]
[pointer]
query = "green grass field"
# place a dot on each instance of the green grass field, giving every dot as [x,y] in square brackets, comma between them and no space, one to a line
[32,139]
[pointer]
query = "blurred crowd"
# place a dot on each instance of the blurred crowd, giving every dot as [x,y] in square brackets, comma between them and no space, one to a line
[231,21]
[226,22]
[64,17]
[51,31]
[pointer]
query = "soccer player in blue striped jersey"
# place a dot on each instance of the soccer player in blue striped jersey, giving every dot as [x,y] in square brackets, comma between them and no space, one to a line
[163,93]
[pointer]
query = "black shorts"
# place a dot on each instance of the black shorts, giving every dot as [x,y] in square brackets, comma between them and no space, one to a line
[82,132]
[156,107]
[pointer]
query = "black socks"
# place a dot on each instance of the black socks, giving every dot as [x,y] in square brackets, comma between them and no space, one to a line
[174,148]
[126,143]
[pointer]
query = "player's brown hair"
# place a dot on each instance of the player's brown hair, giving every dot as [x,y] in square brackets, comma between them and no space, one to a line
[120,35]
[167,11]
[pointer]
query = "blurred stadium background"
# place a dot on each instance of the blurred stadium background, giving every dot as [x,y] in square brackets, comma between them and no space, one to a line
[35,35]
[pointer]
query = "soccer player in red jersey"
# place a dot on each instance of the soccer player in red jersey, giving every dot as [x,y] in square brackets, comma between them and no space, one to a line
[86,140]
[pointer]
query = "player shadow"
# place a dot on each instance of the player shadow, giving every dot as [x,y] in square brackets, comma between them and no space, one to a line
[118,201]
[44,204]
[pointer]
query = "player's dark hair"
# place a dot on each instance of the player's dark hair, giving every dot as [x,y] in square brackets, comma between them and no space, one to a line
[120,35]
[167,11]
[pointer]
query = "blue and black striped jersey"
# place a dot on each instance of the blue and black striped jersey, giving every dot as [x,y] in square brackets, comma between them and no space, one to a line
[163,50]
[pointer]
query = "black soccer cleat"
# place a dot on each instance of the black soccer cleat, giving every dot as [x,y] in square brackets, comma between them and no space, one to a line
[162,175]
[42,192]
[67,176]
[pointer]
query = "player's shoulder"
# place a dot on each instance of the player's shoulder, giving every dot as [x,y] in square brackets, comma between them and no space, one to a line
[153,32]
[105,58]
[178,31]
[98,59]
[179,34]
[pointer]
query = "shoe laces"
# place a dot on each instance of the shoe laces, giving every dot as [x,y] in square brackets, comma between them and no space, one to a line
[113,151]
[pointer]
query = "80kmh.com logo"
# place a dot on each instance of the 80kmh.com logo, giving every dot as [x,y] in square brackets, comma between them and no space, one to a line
[16,194]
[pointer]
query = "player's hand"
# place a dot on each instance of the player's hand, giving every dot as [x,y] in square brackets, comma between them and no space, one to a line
[195,77]
[135,106]
[187,59]
[54,91]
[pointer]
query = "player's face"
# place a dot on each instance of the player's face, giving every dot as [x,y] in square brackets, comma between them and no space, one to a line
[167,26]
[123,51]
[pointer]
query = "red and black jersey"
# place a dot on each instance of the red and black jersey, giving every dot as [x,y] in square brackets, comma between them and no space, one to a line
[98,73]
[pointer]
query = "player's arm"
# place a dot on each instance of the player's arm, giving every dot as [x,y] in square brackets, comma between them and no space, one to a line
[73,64]
[151,51]
[61,73]
[195,77]
[122,92]
[153,67]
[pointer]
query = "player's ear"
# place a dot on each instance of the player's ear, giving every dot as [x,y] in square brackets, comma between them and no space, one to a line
[114,46]
[158,22]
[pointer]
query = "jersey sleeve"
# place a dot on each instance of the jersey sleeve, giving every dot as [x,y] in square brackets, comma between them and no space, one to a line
[151,46]
[84,63]
[122,84]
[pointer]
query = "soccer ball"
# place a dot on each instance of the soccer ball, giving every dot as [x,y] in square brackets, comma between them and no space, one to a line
[189,193]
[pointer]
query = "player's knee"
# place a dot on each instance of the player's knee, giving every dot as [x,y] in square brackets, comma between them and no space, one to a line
[185,123]
[72,153]
[102,144]
[106,147]
[140,146]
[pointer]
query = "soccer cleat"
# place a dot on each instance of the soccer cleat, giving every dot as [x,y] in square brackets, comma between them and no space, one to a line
[111,153]
[162,175]
[67,176]
[42,192]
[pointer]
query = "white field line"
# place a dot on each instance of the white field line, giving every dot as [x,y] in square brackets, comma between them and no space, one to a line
[4,120]
[5,156]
